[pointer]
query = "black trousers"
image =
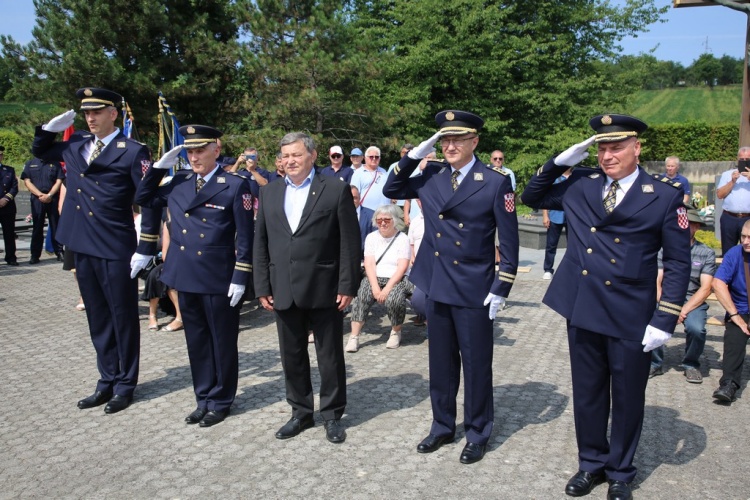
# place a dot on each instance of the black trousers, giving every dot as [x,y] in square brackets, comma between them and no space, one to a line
[731,227]
[39,211]
[8,223]
[293,325]
[735,349]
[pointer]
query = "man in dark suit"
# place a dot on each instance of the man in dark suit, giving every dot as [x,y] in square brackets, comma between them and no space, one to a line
[618,218]
[364,215]
[103,169]
[210,252]
[44,181]
[463,203]
[8,193]
[307,263]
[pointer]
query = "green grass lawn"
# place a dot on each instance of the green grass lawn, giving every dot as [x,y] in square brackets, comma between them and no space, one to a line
[677,105]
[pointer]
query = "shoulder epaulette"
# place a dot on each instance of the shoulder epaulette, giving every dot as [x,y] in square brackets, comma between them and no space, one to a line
[498,170]
[666,180]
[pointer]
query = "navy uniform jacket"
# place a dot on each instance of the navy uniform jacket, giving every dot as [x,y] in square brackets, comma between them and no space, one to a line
[8,188]
[97,217]
[254,186]
[203,256]
[319,260]
[606,282]
[455,263]
[42,174]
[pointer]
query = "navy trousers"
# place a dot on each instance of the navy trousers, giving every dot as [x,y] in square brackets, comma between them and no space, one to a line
[461,336]
[111,299]
[211,331]
[607,372]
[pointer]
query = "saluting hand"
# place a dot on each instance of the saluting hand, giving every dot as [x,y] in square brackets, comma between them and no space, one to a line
[575,154]
[424,148]
[61,122]
[169,159]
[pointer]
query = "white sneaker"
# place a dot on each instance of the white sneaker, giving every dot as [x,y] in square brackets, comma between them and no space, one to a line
[394,340]
[352,345]
[311,338]
[547,276]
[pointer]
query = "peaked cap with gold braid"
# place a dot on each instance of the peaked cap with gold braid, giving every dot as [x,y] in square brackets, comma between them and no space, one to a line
[616,128]
[197,136]
[455,122]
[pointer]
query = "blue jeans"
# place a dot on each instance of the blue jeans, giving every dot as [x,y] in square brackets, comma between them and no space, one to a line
[553,238]
[695,332]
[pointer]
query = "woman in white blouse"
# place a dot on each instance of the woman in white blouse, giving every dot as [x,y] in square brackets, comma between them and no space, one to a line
[387,255]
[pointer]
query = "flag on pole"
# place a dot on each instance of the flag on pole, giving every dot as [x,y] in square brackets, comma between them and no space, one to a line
[128,122]
[169,132]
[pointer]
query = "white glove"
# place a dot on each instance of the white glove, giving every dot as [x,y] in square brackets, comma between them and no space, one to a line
[654,338]
[495,302]
[137,262]
[575,154]
[235,292]
[424,148]
[60,123]
[169,159]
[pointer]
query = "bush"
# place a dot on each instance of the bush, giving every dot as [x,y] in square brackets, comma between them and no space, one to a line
[708,238]
[17,149]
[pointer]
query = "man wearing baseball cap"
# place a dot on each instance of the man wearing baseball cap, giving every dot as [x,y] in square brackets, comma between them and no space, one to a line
[337,168]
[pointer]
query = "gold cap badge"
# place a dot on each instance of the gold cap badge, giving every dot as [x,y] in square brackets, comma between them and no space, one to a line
[190,130]
[449,116]
[88,93]
[606,120]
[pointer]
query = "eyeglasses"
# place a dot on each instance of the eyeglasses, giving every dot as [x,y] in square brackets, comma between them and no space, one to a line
[383,221]
[374,157]
[499,158]
[336,156]
[456,142]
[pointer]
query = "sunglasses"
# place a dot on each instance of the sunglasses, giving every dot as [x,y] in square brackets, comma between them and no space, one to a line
[500,158]
[373,157]
[383,221]
[336,156]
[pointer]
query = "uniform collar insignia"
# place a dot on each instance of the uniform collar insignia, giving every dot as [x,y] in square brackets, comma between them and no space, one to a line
[121,144]
[221,180]
[478,176]
[647,188]
[594,176]
[442,170]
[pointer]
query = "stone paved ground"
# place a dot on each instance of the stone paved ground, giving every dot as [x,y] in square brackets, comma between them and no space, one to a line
[691,447]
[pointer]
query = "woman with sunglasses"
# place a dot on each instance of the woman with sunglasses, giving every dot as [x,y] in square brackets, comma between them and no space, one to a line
[387,255]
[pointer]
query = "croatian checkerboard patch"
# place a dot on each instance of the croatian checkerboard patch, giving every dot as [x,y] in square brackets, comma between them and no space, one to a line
[510,202]
[682,218]
[247,201]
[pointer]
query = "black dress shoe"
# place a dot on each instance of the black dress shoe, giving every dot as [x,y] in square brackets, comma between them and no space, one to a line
[335,432]
[14,263]
[619,490]
[582,483]
[432,443]
[96,399]
[472,453]
[294,427]
[726,392]
[117,403]
[213,417]
[59,256]
[196,416]
[34,260]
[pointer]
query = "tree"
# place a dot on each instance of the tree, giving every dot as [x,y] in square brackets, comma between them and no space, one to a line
[706,70]
[731,70]
[135,47]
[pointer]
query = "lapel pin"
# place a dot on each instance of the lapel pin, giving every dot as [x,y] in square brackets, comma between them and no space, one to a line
[221,180]
[647,188]
[478,176]
[121,144]
[593,176]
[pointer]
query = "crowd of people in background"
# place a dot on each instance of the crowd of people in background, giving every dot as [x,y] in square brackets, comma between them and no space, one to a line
[313,243]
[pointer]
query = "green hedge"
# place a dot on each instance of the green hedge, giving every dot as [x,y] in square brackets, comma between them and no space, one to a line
[691,141]
[17,149]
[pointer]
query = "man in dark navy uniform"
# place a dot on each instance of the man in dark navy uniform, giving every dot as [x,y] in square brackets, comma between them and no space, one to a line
[463,202]
[618,218]
[103,169]
[8,193]
[209,263]
[43,180]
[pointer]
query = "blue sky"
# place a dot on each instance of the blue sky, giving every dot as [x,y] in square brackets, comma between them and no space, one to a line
[683,37]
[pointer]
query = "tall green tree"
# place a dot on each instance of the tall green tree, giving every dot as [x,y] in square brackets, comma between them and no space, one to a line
[706,70]
[186,48]
[527,67]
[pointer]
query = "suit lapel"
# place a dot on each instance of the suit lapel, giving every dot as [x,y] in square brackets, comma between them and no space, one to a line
[109,154]
[593,195]
[274,204]
[635,200]
[469,185]
[316,189]
[211,189]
